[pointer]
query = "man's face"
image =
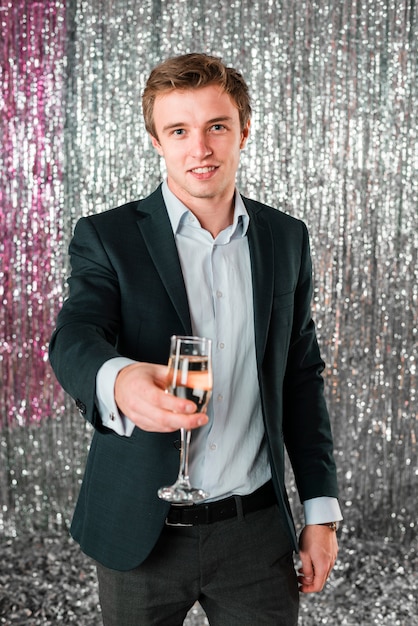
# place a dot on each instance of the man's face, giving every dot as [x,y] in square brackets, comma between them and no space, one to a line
[200,137]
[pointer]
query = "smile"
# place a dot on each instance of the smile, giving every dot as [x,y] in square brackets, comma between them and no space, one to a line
[204,170]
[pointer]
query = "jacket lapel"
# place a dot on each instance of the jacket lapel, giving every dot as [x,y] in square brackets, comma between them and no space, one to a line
[262,269]
[156,230]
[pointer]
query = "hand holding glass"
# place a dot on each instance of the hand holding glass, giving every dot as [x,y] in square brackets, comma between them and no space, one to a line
[189,376]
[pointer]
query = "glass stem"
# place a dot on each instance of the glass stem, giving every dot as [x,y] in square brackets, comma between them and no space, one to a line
[184,455]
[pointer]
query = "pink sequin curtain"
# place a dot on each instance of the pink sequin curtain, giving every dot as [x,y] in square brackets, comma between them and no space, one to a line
[32,49]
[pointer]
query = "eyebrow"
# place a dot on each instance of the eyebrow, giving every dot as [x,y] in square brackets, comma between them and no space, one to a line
[215,120]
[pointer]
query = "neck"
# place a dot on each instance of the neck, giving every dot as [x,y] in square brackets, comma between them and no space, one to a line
[215,220]
[215,211]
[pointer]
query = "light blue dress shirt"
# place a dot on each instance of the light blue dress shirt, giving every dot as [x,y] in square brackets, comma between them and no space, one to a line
[229,454]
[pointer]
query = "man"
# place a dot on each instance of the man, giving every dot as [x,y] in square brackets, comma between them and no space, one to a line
[195,257]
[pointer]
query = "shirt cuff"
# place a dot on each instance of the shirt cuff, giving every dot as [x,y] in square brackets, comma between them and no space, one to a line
[322,510]
[105,384]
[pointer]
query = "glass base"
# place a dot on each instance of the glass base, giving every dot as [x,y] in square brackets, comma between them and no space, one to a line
[182,493]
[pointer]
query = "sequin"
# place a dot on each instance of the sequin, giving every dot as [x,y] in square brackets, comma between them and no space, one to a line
[333,141]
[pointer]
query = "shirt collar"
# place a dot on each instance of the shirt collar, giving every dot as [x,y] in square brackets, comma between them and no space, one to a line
[177,213]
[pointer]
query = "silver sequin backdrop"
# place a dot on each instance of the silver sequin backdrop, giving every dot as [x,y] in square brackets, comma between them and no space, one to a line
[333,141]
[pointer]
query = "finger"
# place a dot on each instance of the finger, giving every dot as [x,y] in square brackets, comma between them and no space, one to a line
[173,403]
[167,421]
[139,390]
[307,569]
[312,583]
[153,419]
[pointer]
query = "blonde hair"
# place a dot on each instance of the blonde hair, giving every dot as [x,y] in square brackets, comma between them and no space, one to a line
[191,71]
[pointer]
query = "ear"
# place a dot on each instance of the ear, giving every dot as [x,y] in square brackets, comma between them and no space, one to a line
[156,144]
[244,134]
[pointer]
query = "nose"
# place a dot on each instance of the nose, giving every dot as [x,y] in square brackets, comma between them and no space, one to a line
[200,147]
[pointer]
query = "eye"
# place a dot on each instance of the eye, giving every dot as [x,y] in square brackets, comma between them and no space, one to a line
[178,132]
[218,127]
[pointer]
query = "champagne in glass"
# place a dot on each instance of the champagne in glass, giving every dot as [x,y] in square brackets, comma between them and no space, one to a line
[189,376]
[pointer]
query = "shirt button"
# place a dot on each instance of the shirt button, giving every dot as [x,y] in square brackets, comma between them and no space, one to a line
[219,294]
[221,345]
[213,446]
[220,397]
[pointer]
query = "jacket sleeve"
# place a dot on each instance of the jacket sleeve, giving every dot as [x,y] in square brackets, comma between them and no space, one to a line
[306,424]
[88,323]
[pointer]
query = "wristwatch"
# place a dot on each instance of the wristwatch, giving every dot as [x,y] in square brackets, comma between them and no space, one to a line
[333,525]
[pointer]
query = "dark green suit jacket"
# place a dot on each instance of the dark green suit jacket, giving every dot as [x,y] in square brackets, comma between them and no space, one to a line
[127,297]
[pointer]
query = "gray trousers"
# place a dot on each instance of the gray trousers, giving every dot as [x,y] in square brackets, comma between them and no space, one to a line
[240,570]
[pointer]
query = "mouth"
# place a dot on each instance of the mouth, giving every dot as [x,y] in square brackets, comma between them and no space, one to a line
[203,170]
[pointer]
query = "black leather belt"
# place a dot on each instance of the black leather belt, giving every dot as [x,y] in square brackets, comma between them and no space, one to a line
[192,515]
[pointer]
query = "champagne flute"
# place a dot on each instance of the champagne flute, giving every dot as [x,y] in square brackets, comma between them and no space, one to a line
[189,376]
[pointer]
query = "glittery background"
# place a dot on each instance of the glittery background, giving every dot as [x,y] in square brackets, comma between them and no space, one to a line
[334,142]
